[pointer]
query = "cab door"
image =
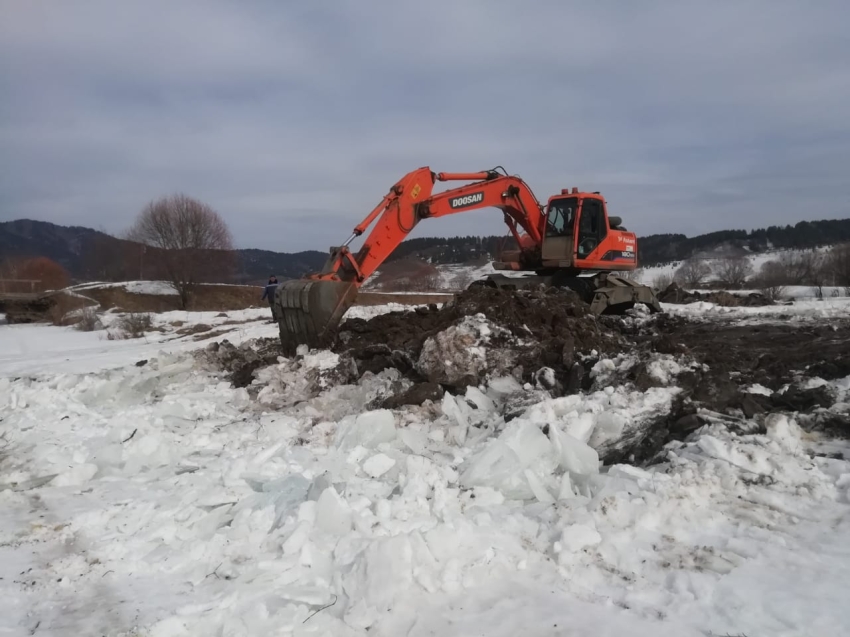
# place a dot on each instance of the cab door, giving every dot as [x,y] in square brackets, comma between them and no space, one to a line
[592,230]
[559,236]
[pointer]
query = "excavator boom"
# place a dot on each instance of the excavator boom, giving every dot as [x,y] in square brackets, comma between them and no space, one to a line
[310,309]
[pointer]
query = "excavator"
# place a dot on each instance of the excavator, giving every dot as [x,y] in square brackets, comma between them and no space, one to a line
[570,242]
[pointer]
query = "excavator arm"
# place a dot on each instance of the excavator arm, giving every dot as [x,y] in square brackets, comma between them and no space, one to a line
[411,200]
[310,309]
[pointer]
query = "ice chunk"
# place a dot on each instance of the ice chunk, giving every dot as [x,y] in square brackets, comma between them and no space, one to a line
[76,475]
[297,539]
[333,515]
[169,627]
[609,427]
[784,431]
[527,441]
[502,462]
[499,466]
[573,455]
[285,494]
[629,472]
[320,483]
[480,399]
[453,355]
[378,465]
[566,492]
[504,386]
[537,487]
[368,429]
[577,536]
[755,460]
[758,389]
[416,441]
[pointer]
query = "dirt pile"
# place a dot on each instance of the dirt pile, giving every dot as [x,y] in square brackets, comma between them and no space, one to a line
[674,294]
[523,332]
[780,357]
[240,362]
[28,310]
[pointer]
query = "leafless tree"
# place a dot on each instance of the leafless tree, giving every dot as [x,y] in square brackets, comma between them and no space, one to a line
[838,266]
[193,241]
[734,271]
[431,282]
[818,272]
[800,267]
[692,273]
[771,280]
[462,281]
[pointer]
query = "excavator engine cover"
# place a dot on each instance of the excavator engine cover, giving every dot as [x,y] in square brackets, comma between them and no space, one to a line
[309,311]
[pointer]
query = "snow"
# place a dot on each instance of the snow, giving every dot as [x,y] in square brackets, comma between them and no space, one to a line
[649,274]
[157,288]
[796,311]
[370,311]
[40,349]
[161,500]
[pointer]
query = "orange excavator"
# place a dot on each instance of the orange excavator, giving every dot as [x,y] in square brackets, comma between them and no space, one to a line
[570,242]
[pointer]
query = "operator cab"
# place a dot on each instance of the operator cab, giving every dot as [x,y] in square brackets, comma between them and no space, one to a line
[568,215]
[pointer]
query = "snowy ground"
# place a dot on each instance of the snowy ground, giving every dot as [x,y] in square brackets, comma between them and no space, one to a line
[159,500]
[801,310]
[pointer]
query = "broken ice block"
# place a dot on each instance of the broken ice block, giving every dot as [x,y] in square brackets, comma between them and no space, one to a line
[573,455]
[368,429]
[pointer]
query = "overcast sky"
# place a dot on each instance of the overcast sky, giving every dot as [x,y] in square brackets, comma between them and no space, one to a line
[293,118]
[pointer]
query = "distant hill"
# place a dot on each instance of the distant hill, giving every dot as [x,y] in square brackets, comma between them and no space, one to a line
[664,248]
[63,244]
[92,255]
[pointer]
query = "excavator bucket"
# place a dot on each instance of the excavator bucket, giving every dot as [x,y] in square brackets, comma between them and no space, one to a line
[309,311]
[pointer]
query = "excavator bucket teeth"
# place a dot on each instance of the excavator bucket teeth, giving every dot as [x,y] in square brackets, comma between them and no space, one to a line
[309,312]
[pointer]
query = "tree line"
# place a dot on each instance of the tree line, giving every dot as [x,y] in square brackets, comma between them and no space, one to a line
[666,248]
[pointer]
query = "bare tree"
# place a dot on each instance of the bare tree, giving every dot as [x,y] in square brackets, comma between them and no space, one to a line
[193,241]
[771,280]
[818,272]
[734,271]
[462,281]
[692,273]
[800,267]
[838,266]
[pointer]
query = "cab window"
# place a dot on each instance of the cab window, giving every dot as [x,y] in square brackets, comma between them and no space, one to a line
[561,217]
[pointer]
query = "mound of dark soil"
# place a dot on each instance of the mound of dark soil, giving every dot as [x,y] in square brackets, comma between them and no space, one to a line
[546,328]
[674,294]
[28,310]
[241,362]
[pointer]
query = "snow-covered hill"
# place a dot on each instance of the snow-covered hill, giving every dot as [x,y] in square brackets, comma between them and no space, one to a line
[649,274]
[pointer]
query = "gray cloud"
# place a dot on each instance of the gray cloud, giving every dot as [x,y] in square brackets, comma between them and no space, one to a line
[293,119]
